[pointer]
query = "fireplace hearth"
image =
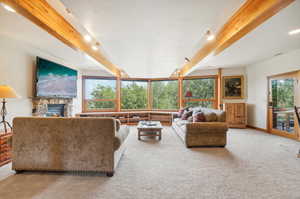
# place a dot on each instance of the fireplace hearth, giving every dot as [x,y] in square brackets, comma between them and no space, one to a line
[56,110]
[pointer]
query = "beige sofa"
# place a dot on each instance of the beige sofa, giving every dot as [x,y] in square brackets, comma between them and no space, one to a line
[203,134]
[68,144]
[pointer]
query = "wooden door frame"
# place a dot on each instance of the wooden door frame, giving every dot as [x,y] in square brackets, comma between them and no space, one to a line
[271,130]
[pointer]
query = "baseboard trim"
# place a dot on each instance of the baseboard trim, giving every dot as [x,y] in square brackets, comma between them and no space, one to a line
[257,128]
[277,134]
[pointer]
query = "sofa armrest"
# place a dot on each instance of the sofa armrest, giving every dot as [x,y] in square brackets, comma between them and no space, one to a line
[120,136]
[206,127]
[174,116]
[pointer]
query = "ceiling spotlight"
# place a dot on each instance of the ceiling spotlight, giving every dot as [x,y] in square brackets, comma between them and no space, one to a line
[94,47]
[87,38]
[68,10]
[8,8]
[209,36]
[187,59]
[294,32]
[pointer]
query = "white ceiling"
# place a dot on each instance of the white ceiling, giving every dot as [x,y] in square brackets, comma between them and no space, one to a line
[151,38]
[39,42]
[264,42]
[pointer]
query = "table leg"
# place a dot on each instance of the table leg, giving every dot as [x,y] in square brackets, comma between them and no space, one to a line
[139,135]
[159,134]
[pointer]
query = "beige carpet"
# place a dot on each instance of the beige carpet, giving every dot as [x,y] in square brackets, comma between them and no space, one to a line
[253,165]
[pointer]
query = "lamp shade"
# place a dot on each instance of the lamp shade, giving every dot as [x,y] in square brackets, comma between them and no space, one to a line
[189,94]
[7,92]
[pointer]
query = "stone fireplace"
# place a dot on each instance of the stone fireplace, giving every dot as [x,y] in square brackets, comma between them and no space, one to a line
[56,110]
[52,107]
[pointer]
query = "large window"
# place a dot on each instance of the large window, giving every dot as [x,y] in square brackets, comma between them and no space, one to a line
[200,92]
[99,94]
[134,94]
[110,94]
[165,94]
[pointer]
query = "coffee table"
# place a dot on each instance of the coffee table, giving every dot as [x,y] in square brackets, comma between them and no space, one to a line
[150,128]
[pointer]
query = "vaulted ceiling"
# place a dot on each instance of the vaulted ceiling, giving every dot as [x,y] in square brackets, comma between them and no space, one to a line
[152,38]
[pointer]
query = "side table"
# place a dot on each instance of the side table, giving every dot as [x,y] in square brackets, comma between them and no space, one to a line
[5,148]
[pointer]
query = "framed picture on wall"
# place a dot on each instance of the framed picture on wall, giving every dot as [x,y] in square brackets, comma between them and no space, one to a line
[233,87]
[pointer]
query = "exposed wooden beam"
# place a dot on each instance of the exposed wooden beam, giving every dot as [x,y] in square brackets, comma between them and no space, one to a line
[46,17]
[245,19]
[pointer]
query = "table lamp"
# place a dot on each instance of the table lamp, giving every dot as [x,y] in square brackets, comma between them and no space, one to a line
[6,92]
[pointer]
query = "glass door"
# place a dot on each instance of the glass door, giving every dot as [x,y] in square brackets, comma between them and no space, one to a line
[282,99]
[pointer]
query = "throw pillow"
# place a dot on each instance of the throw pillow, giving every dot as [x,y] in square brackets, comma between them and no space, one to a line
[181,111]
[198,117]
[190,119]
[186,115]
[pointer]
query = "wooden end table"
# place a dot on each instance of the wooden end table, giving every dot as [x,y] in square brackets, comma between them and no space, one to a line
[5,148]
[153,127]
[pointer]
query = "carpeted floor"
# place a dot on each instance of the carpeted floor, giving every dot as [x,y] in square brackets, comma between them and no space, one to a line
[253,165]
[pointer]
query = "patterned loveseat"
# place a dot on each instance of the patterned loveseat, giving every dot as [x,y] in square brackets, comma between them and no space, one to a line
[212,132]
[68,144]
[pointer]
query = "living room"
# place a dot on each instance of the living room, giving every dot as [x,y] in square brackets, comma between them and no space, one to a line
[136,99]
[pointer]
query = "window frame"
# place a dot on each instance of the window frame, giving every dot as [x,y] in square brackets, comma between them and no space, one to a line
[214,100]
[85,101]
[117,101]
[147,92]
[178,93]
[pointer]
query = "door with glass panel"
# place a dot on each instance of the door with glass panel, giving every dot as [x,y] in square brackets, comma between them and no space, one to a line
[282,99]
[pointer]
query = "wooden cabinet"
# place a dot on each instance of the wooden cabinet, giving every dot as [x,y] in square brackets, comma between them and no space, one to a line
[236,115]
[5,148]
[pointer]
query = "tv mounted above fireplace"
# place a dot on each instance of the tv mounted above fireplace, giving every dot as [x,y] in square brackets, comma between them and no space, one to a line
[55,80]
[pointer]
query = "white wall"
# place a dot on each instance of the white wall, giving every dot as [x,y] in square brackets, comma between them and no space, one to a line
[257,84]
[17,68]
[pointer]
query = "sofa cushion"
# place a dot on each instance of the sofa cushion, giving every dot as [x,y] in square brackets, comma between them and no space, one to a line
[198,117]
[197,109]
[190,119]
[221,115]
[179,122]
[210,117]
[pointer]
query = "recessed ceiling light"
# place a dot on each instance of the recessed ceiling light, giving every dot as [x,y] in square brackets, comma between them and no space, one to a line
[87,38]
[94,48]
[209,36]
[8,8]
[293,32]
[187,59]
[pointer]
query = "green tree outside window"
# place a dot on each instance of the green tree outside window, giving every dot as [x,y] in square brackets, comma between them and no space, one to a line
[165,95]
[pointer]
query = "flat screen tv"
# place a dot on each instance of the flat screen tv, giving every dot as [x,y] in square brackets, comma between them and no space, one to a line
[55,80]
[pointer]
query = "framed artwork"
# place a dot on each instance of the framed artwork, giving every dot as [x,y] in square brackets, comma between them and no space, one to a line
[233,87]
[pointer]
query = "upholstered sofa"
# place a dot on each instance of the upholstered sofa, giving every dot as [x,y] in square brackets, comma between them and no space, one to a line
[212,132]
[67,144]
